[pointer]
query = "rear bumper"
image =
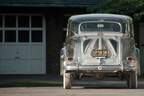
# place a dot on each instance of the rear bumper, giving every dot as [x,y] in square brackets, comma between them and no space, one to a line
[98,68]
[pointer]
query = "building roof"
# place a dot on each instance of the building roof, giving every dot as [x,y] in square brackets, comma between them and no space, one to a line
[49,3]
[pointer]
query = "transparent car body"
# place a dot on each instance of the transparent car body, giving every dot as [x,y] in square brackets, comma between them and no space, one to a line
[99,45]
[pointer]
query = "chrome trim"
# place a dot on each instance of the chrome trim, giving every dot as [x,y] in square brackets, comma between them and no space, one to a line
[104,68]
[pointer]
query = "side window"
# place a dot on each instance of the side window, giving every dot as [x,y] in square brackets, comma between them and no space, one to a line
[71,30]
[131,30]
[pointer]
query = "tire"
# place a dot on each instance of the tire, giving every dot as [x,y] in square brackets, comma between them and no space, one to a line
[132,80]
[67,80]
[128,82]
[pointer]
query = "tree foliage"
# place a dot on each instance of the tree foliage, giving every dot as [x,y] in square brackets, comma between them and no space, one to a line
[134,8]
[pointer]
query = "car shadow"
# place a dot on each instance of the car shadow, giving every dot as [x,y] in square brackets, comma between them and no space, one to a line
[106,85]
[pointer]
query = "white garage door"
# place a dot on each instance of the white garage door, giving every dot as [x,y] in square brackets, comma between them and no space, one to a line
[22,44]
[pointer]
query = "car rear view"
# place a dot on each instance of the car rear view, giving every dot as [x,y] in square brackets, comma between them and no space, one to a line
[100,45]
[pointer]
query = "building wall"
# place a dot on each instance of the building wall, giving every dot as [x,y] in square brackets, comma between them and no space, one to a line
[55,36]
[54,42]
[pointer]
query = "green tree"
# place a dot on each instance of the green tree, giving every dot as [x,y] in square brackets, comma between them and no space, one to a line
[134,8]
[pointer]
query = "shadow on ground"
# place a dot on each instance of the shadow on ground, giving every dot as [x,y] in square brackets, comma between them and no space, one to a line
[56,81]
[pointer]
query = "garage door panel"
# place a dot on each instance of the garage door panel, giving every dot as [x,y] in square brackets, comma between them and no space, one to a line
[22,44]
[38,67]
[15,67]
[6,66]
[24,51]
[37,51]
[24,66]
[8,51]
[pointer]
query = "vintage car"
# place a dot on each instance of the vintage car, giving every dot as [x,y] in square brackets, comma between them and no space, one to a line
[100,45]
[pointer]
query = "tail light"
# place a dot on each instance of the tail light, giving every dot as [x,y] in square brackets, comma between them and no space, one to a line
[131,60]
[70,58]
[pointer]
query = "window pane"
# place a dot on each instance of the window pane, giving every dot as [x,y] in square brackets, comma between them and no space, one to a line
[23,36]
[36,21]
[23,21]
[1,36]
[0,21]
[10,36]
[36,36]
[100,26]
[10,21]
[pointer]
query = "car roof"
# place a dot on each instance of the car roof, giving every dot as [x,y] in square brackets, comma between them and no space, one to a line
[95,17]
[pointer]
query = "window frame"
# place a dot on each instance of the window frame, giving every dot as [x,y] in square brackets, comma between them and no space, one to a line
[17,28]
[80,32]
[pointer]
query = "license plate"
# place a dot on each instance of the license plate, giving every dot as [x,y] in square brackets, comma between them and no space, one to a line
[100,53]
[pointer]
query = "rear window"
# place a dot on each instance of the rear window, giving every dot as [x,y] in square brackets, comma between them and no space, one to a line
[100,26]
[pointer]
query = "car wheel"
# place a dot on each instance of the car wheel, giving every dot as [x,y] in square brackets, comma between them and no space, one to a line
[132,80]
[67,80]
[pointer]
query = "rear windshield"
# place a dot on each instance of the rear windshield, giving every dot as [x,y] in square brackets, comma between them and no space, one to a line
[100,26]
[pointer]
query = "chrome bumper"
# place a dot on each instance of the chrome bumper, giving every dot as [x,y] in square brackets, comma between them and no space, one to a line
[101,68]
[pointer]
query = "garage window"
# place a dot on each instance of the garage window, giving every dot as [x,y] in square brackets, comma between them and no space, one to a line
[0,21]
[36,36]
[23,36]
[23,21]
[36,21]
[21,28]
[10,36]
[1,36]
[10,21]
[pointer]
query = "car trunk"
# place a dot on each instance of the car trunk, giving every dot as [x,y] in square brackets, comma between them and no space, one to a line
[101,50]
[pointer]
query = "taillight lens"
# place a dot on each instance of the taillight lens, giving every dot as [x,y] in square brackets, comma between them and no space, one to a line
[131,60]
[68,61]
